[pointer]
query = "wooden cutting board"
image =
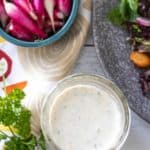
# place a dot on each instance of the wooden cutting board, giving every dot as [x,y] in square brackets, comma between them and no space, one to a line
[47,65]
[53,62]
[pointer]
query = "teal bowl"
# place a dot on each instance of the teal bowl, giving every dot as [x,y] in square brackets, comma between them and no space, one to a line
[50,39]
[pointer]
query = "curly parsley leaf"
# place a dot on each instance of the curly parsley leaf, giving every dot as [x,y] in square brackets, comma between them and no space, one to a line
[3,136]
[15,143]
[42,142]
[22,124]
[15,116]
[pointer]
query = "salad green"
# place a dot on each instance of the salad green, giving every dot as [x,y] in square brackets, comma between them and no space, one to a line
[134,15]
[127,10]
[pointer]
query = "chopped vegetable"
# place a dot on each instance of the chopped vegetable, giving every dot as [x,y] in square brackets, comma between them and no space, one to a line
[65,6]
[27,7]
[3,15]
[143,21]
[49,6]
[140,59]
[15,13]
[20,85]
[58,14]
[14,116]
[32,20]
[5,65]
[18,31]
[39,8]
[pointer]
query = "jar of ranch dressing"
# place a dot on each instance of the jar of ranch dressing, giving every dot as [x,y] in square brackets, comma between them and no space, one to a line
[85,112]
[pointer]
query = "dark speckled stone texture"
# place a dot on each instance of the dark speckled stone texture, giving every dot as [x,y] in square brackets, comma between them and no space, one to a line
[114,50]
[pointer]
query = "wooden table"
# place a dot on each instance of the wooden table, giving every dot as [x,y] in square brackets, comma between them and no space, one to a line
[139,137]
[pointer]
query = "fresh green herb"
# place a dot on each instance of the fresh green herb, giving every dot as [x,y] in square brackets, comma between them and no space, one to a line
[136,28]
[115,16]
[133,5]
[125,11]
[17,119]
[41,142]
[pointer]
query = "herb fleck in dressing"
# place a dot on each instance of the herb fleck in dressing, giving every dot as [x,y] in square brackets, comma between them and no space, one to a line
[86,118]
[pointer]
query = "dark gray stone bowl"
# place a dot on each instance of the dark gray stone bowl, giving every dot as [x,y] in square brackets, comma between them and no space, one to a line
[114,50]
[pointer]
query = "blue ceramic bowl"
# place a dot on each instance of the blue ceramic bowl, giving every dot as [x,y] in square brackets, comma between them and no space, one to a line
[50,39]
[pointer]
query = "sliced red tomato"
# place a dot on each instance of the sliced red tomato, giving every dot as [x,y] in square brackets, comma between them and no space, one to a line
[5,65]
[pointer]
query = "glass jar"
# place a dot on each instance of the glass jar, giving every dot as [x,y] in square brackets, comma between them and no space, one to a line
[53,106]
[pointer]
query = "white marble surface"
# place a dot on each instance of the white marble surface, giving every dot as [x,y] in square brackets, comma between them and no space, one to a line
[139,137]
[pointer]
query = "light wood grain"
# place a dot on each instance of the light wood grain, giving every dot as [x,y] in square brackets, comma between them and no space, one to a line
[89,41]
[88,62]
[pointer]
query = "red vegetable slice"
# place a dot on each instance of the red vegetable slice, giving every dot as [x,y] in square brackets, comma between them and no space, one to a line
[39,8]
[15,13]
[65,6]
[40,11]
[27,7]
[3,15]
[18,31]
[5,65]
[143,21]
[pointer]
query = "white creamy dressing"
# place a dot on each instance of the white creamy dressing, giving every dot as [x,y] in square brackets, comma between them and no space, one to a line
[86,118]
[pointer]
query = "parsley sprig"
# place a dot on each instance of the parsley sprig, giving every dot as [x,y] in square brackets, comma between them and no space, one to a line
[17,118]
